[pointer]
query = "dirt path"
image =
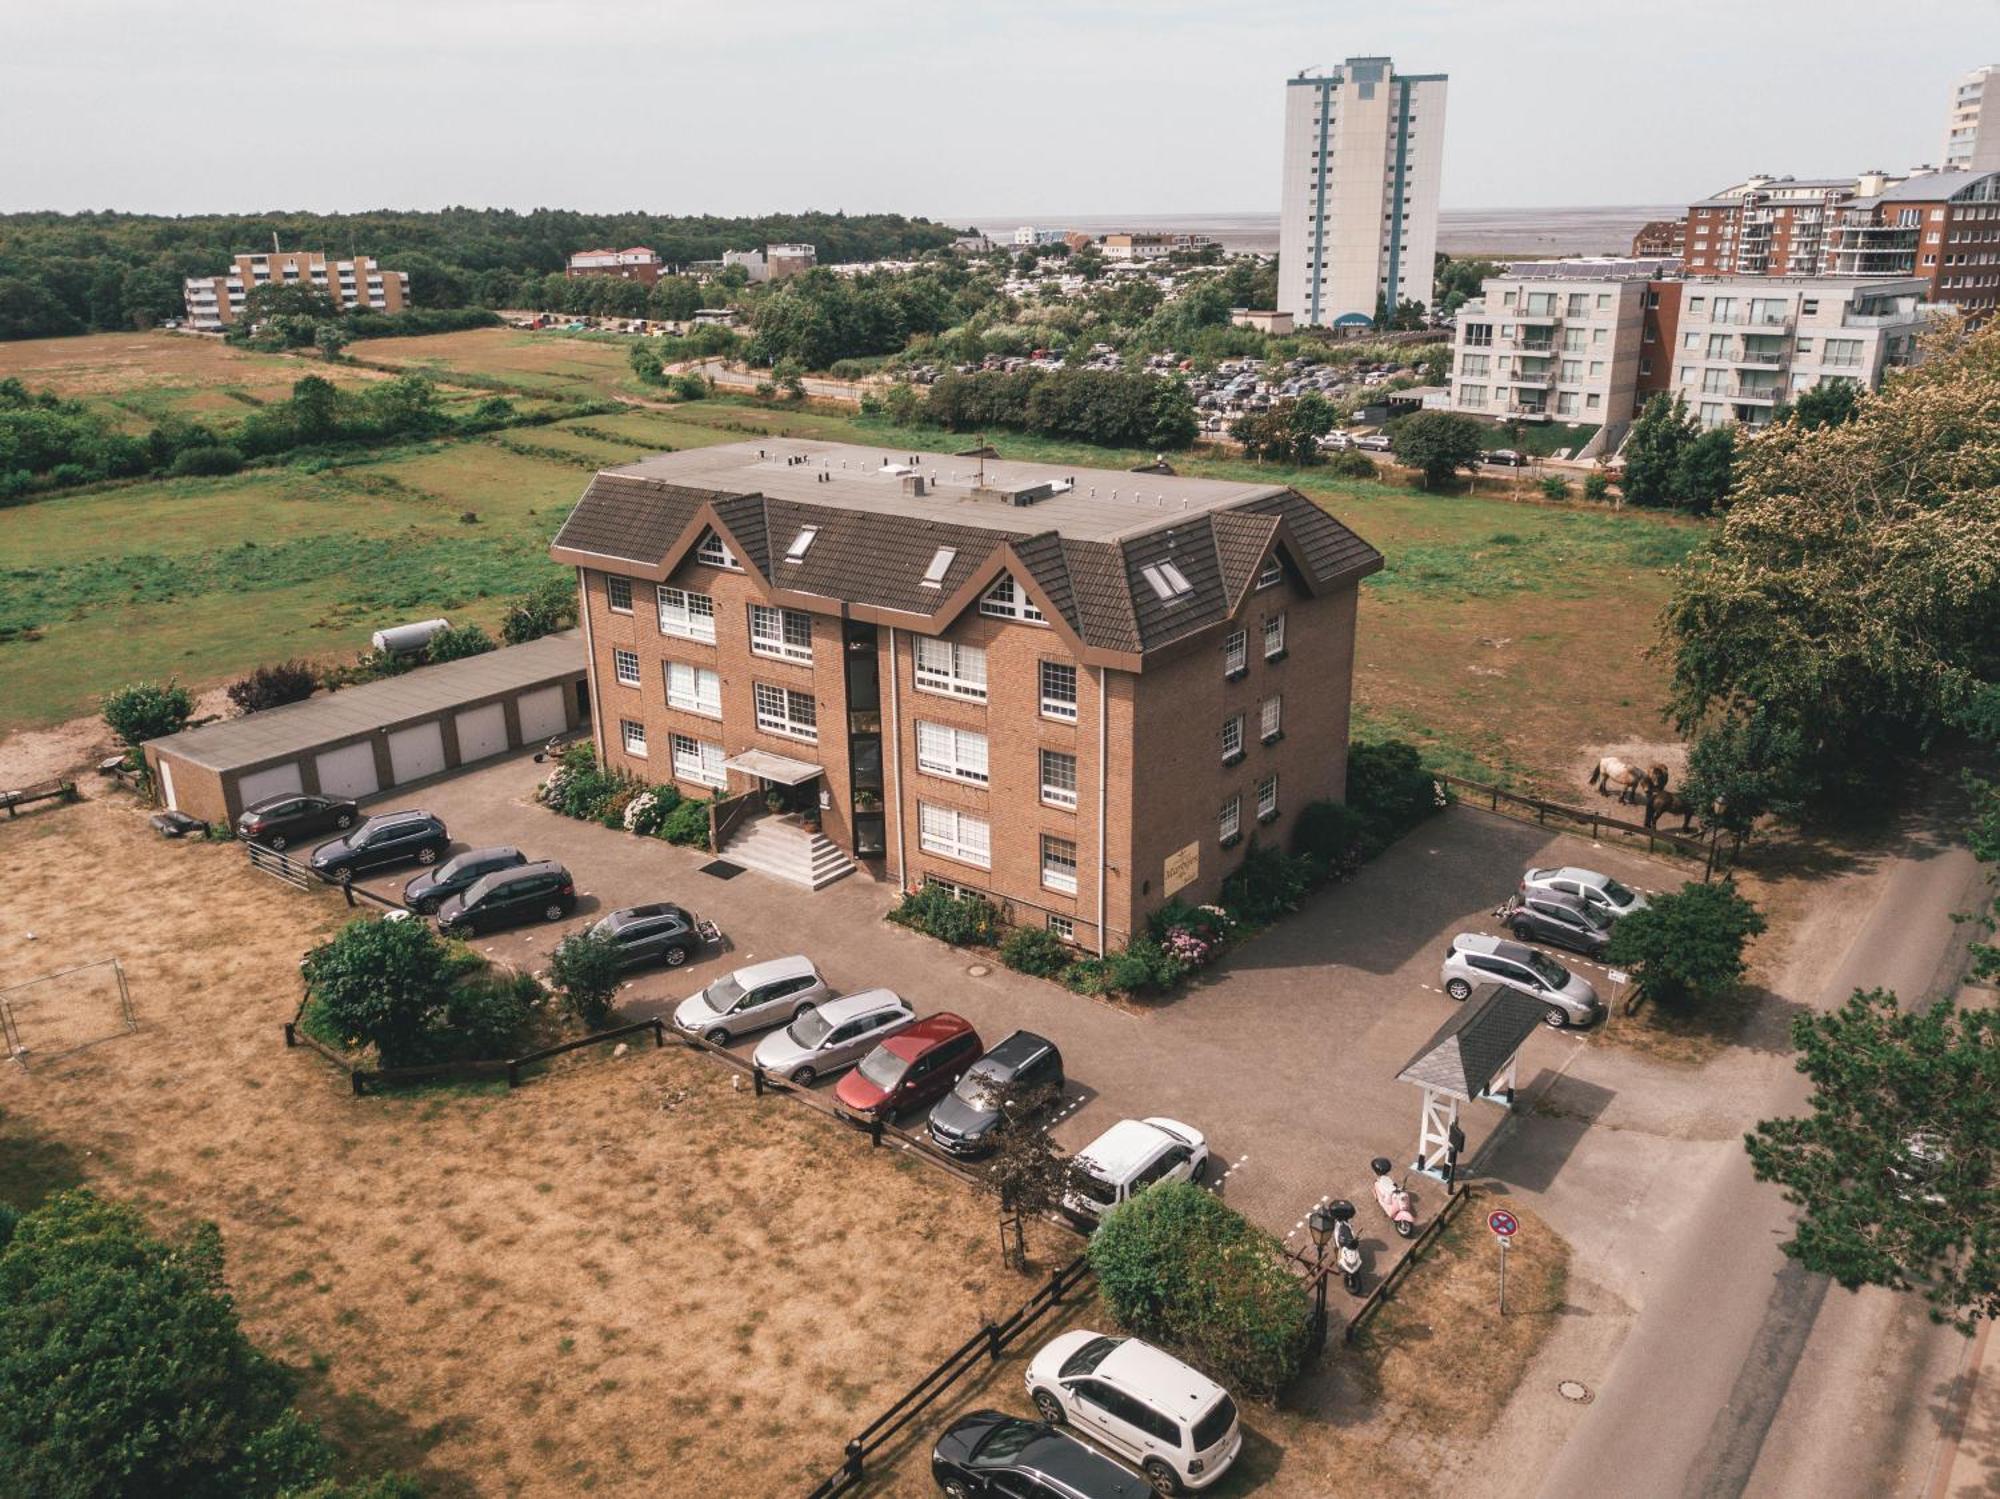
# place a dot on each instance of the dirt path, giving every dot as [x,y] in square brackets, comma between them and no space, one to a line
[78,744]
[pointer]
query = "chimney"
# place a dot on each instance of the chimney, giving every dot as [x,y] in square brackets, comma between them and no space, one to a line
[913,484]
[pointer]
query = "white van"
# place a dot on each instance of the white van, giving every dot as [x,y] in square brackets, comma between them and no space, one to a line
[1128,1158]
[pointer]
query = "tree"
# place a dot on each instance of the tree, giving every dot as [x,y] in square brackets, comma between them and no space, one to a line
[123,1370]
[646,365]
[1703,473]
[384,984]
[1653,450]
[329,339]
[1896,1164]
[1027,1172]
[1744,768]
[1827,404]
[1312,416]
[586,967]
[543,610]
[1438,442]
[1687,946]
[273,686]
[148,710]
[289,299]
[456,642]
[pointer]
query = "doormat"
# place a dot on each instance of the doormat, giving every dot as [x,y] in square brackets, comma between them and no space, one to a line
[722,869]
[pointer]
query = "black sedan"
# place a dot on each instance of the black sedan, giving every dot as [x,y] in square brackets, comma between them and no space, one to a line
[432,888]
[1559,920]
[658,933]
[278,821]
[382,843]
[991,1452]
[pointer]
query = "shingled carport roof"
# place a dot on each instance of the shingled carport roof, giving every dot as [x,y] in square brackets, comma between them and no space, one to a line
[1469,1050]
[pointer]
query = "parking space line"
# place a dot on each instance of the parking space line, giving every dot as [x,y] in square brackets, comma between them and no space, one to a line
[1234,1167]
[1299,1227]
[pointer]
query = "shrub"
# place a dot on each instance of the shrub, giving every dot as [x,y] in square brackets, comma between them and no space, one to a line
[686,824]
[585,967]
[1389,787]
[148,710]
[1349,464]
[1268,884]
[1177,1265]
[386,984]
[646,812]
[493,1014]
[274,686]
[1554,487]
[1686,947]
[1036,950]
[545,609]
[210,460]
[1142,966]
[456,642]
[690,388]
[1596,488]
[961,920]
[1333,835]
[577,788]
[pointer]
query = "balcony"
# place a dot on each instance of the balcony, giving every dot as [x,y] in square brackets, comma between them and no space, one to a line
[1766,357]
[1551,316]
[1765,395]
[1536,379]
[1752,320]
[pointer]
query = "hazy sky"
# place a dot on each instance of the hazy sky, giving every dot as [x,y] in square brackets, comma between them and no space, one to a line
[944,108]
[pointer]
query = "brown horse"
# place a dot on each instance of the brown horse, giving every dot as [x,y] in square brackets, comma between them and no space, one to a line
[1631,782]
[1661,802]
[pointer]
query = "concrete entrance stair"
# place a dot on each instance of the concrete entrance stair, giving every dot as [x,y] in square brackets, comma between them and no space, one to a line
[786,851]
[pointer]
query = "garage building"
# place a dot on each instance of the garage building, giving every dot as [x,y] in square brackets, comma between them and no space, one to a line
[361,740]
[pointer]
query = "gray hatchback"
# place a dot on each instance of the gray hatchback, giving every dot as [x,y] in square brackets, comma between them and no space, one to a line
[1474,959]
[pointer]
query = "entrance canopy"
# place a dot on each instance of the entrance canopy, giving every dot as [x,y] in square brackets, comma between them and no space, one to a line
[782,769]
[1470,1056]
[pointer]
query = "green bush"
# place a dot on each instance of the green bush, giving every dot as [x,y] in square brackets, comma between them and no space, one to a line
[493,1015]
[1555,487]
[211,460]
[647,812]
[1596,488]
[1334,835]
[274,686]
[1269,883]
[1351,464]
[1176,1265]
[543,610]
[586,968]
[386,984]
[148,710]
[456,642]
[1388,785]
[1142,966]
[687,825]
[690,388]
[1687,946]
[1036,950]
[963,921]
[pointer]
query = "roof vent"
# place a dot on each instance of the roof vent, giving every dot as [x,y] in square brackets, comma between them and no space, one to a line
[913,484]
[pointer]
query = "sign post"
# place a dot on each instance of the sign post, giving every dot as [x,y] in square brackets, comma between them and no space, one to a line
[1504,1226]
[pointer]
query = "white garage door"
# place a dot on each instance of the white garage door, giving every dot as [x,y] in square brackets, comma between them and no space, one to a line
[482,732]
[349,771]
[167,784]
[417,751]
[542,715]
[273,780]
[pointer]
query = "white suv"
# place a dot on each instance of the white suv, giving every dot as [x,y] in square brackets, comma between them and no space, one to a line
[1146,1406]
[1128,1158]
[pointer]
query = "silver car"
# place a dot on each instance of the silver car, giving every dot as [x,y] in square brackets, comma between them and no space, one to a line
[753,999]
[1600,892]
[837,1034]
[1474,959]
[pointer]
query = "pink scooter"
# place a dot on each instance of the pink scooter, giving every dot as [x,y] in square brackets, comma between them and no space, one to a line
[1393,1198]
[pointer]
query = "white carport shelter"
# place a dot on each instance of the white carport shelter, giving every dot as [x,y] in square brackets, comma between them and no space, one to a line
[1472,1055]
[361,740]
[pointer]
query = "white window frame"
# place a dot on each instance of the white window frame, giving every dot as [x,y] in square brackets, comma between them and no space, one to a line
[708,704]
[1236,653]
[687,614]
[1059,871]
[1229,821]
[1232,736]
[953,670]
[1054,793]
[714,551]
[1007,599]
[625,667]
[1062,928]
[953,754]
[951,834]
[616,588]
[1064,711]
[1273,573]
[697,760]
[772,630]
[1271,718]
[1267,797]
[782,719]
[632,735]
[1274,636]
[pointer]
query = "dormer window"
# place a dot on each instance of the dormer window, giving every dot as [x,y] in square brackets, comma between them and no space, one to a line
[941,561]
[1006,600]
[715,554]
[1272,575]
[801,544]
[1167,581]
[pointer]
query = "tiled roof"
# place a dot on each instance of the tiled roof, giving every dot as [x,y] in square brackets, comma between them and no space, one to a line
[637,520]
[1464,1054]
[1240,543]
[1332,551]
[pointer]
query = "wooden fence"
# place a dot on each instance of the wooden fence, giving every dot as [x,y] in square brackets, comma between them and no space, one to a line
[1514,804]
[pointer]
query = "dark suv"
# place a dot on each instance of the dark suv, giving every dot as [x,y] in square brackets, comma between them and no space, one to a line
[431,889]
[990,1452]
[278,821]
[1560,920]
[508,897]
[382,842]
[1029,1065]
[659,933]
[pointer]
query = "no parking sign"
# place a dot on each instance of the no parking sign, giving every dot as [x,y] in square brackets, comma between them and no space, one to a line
[1504,1225]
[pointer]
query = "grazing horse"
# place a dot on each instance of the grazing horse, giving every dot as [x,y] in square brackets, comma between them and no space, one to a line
[1612,771]
[1661,802]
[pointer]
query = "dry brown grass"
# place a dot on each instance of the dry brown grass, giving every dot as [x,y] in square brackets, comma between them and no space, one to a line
[143,375]
[628,1278]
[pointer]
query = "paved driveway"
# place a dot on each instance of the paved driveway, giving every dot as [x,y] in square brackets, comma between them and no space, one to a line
[1285,1055]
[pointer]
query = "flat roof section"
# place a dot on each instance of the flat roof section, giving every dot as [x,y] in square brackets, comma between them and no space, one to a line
[1104,505]
[328,718]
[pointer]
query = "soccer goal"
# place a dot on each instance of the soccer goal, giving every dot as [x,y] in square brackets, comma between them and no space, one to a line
[60,1013]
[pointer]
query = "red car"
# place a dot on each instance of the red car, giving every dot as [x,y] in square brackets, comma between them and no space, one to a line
[913,1067]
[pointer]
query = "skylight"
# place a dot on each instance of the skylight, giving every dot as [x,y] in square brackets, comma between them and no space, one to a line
[1168,581]
[801,543]
[941,562]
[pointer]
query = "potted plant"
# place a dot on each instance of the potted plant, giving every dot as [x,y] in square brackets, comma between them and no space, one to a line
[774,801]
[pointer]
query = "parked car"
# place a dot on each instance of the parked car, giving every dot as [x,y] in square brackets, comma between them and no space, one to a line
[834,1035]
[991,1452]
[965,1118]
[1504,458]
[1560,920]
[1474,959]
[1146,1406]
[427,891]
[1375,442]
[914,1067]
[658,933]
[278,821]
[753,999]
[1128,1158]
[508,897]
[1336,442]
[1602,893]
[382,842]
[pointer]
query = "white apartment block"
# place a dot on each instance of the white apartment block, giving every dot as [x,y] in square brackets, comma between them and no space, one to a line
[1557,340]
[1029,236]
[1741,348]
[214,302]
[1972,125]
[1364,147]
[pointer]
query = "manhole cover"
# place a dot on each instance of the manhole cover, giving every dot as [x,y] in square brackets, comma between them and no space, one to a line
[979,970]
[1570,1389]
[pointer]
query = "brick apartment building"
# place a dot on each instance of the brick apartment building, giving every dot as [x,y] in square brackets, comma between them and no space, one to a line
[1078,692]
[636,264]
[1657,237]
[214,302]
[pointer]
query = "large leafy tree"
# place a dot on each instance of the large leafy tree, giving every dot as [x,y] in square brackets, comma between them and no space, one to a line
[1654,449]
[1894,1164]
[1438,442]
[1687,946]
[387,983]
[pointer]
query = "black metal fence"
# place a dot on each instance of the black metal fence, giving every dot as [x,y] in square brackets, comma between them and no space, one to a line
[977,1352]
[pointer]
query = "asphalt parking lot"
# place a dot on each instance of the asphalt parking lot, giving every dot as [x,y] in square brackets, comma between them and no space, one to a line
[1284,1054]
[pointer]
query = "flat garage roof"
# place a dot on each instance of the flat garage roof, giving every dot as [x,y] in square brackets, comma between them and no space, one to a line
[330,717]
